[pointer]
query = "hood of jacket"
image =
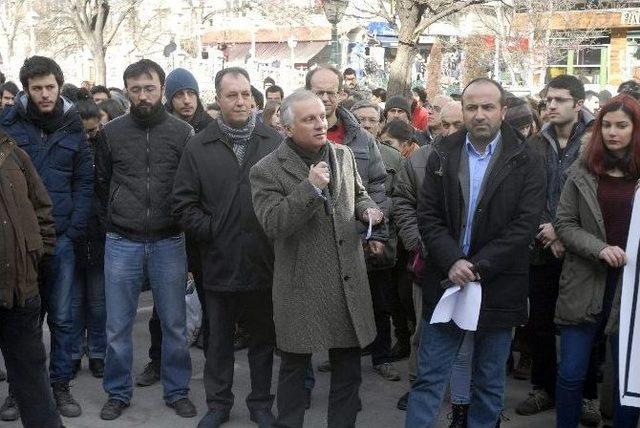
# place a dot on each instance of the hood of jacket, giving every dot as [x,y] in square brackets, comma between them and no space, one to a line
[19,112]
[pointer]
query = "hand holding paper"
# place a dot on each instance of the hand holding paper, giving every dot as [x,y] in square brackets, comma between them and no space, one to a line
[460,304]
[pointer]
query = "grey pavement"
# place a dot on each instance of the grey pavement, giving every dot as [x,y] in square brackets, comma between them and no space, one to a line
[147,409]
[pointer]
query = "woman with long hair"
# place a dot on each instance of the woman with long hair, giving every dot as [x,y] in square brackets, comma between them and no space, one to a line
[593,223]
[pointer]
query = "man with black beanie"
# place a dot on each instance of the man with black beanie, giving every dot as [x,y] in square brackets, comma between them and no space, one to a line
[183,99]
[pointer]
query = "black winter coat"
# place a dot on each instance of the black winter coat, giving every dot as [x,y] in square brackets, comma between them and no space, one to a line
[135,170]
[504,225]
[212,202]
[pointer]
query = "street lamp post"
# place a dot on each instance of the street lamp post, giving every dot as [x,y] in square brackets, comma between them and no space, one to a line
[334,11]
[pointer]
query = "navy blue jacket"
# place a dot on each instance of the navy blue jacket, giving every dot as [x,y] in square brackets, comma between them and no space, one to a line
[63,160]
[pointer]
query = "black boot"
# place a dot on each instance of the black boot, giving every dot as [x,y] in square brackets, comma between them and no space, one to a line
[459,415]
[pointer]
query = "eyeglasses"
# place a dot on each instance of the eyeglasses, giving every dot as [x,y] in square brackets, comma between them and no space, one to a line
[558,100]
[136,90]
[367,120]
[330,94]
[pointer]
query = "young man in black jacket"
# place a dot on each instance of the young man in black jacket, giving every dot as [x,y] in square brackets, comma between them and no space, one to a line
[212,202]
[478,210]
[136,159]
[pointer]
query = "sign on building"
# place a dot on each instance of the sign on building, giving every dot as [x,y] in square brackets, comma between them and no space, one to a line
[631,17]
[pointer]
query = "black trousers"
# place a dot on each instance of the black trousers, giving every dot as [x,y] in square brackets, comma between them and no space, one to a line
[155,331]
[343,393]
[380,286]
[543,295]
[26,362]
[402,313]
[223,310]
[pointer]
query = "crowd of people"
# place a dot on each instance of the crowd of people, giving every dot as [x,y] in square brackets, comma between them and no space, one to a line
[328,221]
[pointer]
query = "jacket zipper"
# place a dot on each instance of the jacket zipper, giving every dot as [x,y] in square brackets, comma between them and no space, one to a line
[148,217]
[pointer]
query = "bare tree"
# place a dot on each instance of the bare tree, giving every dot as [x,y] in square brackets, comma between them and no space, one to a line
[410,18]
[13,16]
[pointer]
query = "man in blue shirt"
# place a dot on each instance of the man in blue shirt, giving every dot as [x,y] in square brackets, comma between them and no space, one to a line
[478,211]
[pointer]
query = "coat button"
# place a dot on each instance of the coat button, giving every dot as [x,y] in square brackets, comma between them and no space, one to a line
[346,277]
[340,242]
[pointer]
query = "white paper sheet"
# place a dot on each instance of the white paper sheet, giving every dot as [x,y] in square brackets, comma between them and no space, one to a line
[629,336]
[460,304]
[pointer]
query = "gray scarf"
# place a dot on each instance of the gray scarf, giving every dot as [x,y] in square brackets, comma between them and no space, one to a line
[239,137]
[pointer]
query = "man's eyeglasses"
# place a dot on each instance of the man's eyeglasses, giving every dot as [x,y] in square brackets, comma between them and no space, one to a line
[329,94]
[136,90]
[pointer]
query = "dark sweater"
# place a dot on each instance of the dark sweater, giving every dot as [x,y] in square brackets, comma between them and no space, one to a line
[615,196]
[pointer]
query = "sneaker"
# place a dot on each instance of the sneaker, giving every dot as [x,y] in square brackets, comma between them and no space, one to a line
[387,371]
[67,406]
[458,415]
[537,401]
[9,410]
[400,351]
[403,402]
[590,415]
[96,365]
[324,367]
[184,408]
[523,370]
[112,409]
[150,375]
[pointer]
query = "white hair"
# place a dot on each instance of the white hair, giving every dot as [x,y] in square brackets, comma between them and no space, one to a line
[286,108]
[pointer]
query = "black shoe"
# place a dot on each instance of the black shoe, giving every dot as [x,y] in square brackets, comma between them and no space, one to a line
[213,419]
[3,375]
[67,405]
[184,408]
[401,350]
[9,410]
[150,374]
[403,402]
[77,365]
[307,399]
[112,409]
[459,415]
[263,417]
[96,365]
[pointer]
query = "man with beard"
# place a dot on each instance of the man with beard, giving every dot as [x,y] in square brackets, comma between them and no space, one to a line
[136,158]
[182,96]
[48,127]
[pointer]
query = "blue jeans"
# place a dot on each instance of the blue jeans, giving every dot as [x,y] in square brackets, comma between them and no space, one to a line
[461,372]
[126,263]
[576,342]
[57,282]
[89,312]
[439,345]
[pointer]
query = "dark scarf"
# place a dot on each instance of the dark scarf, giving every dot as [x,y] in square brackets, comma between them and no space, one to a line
[155,116]
[48,122]
[308,157]
[239,137]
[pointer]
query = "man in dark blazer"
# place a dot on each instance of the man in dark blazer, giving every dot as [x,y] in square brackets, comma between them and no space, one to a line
[212,202]
[478,211]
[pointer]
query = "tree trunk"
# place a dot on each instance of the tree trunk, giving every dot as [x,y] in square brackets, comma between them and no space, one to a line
[400,72]
[101,67]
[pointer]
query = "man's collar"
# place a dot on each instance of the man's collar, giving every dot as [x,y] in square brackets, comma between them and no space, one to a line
[491,148]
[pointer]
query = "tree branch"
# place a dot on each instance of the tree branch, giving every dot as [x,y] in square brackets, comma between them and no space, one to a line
[454,7]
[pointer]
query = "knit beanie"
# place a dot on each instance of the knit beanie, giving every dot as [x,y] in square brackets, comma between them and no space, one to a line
[518,113]
[397,101]
[178,80]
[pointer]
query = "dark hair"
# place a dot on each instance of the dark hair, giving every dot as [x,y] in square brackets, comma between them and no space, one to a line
[275,88]
[588,94]
[348,72]
[114,89]
[88,109]
[70,92]
[380,93]
[112,108]
[421,93]
[100,89]
[10,87]
[268,79]
[630,87]
[400,130]
[269,110]
[596,156]
[570,83]
[39,66]
[503,97]
[310,73]
[257,97]
[213,106]
[236,71]
[143,67]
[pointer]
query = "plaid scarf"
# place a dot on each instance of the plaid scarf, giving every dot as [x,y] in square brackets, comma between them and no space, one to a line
[239,137]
